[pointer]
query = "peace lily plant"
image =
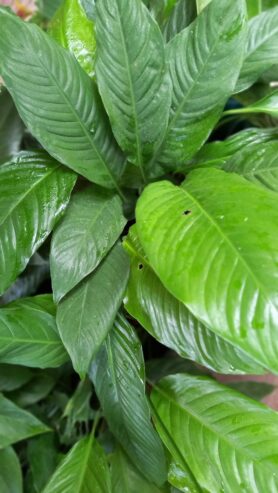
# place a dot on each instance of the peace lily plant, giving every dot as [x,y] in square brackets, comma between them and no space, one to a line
[138,246]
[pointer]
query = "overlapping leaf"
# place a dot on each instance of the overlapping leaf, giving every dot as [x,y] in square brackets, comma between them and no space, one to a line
[182,14]
[213,243]
[118,375]
[172,324]
[34,191]
[11,128]
[10,472]
[240,435]
[28,333]
[58,101]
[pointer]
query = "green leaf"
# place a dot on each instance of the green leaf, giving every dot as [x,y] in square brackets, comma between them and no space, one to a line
[240,435]
[206,52]
[255,390]
[255,7]
[127,479]
[172,324]
[65,112]
[71,28]
[87,313]
[170,364]
[10,472]
[35,390]
[12,377]
[118,376]
[42,456]
[182,14]
[47,8]
[16,424]
[179,477]
[84,470]
[258,164]
[89,8]
[92,224]
[261,48]
[201,4]
[11,128]
[34,191]
[213,243]
[28,333]
[268,105]
[132,77]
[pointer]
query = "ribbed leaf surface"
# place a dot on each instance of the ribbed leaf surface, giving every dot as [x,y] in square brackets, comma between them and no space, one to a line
[213,243]
[182,14]
[58,101]
[131,74]
[34,191]
[28,334]
[92,224]
[84,470]
[87,313]
[172,324]
[205,53]
[118,376]
[228,440]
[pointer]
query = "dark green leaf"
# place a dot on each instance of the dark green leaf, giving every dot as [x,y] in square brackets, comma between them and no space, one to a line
[12,377]
[42,456]
[92,224]
[87,313]
[10,472]
[255,390]
[11,127]
[213,243]
[118,375]
[34,191]
[34,391]
[268,105]
[28,333]
[64,113]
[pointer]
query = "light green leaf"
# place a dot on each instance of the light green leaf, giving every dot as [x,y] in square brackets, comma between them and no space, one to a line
[11,127]
[179,477]
[172,324]
[132,77]
[65,112]
[12,377]
[10,472]
[42,455]
[240,435]
[28,333]
[118,376]
[268,105]
[182,14]
[84,470]
[87,313]
[261,49]
[16,424]
[34,191]
[213,243]
[71,28]
[206,52]
[201,4]
[258,164]
[92,224]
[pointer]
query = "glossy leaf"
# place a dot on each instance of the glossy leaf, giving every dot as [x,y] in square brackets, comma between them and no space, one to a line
[34,192]
[181,478]
[71,28]
[16,424]
[182,14]
[261,49]
[28,333]
[207,51]
[12,377]
[268,105]
[87,313]
[84,470]
[213,244]
[258,164]
[11,128]
[172,324]
[132,78]
[42,456]
[64,113]
[10,472]
[92,224]
[240,434]
[118,376]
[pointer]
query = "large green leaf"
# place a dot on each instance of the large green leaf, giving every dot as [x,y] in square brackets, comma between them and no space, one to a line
[84,470]
[228,440]
[182,14]
[28,333]
[258,164]
[261,49]
[71,28]
[132,77]
[10,472]
[12,377]
[64,113]
[213,243]
[87,313]
[16,424]
[118,375]
[255,7]
[268,104]
[11,127]
[92,224]
[172,324]
[42,454]
[205,53]
[34,191]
